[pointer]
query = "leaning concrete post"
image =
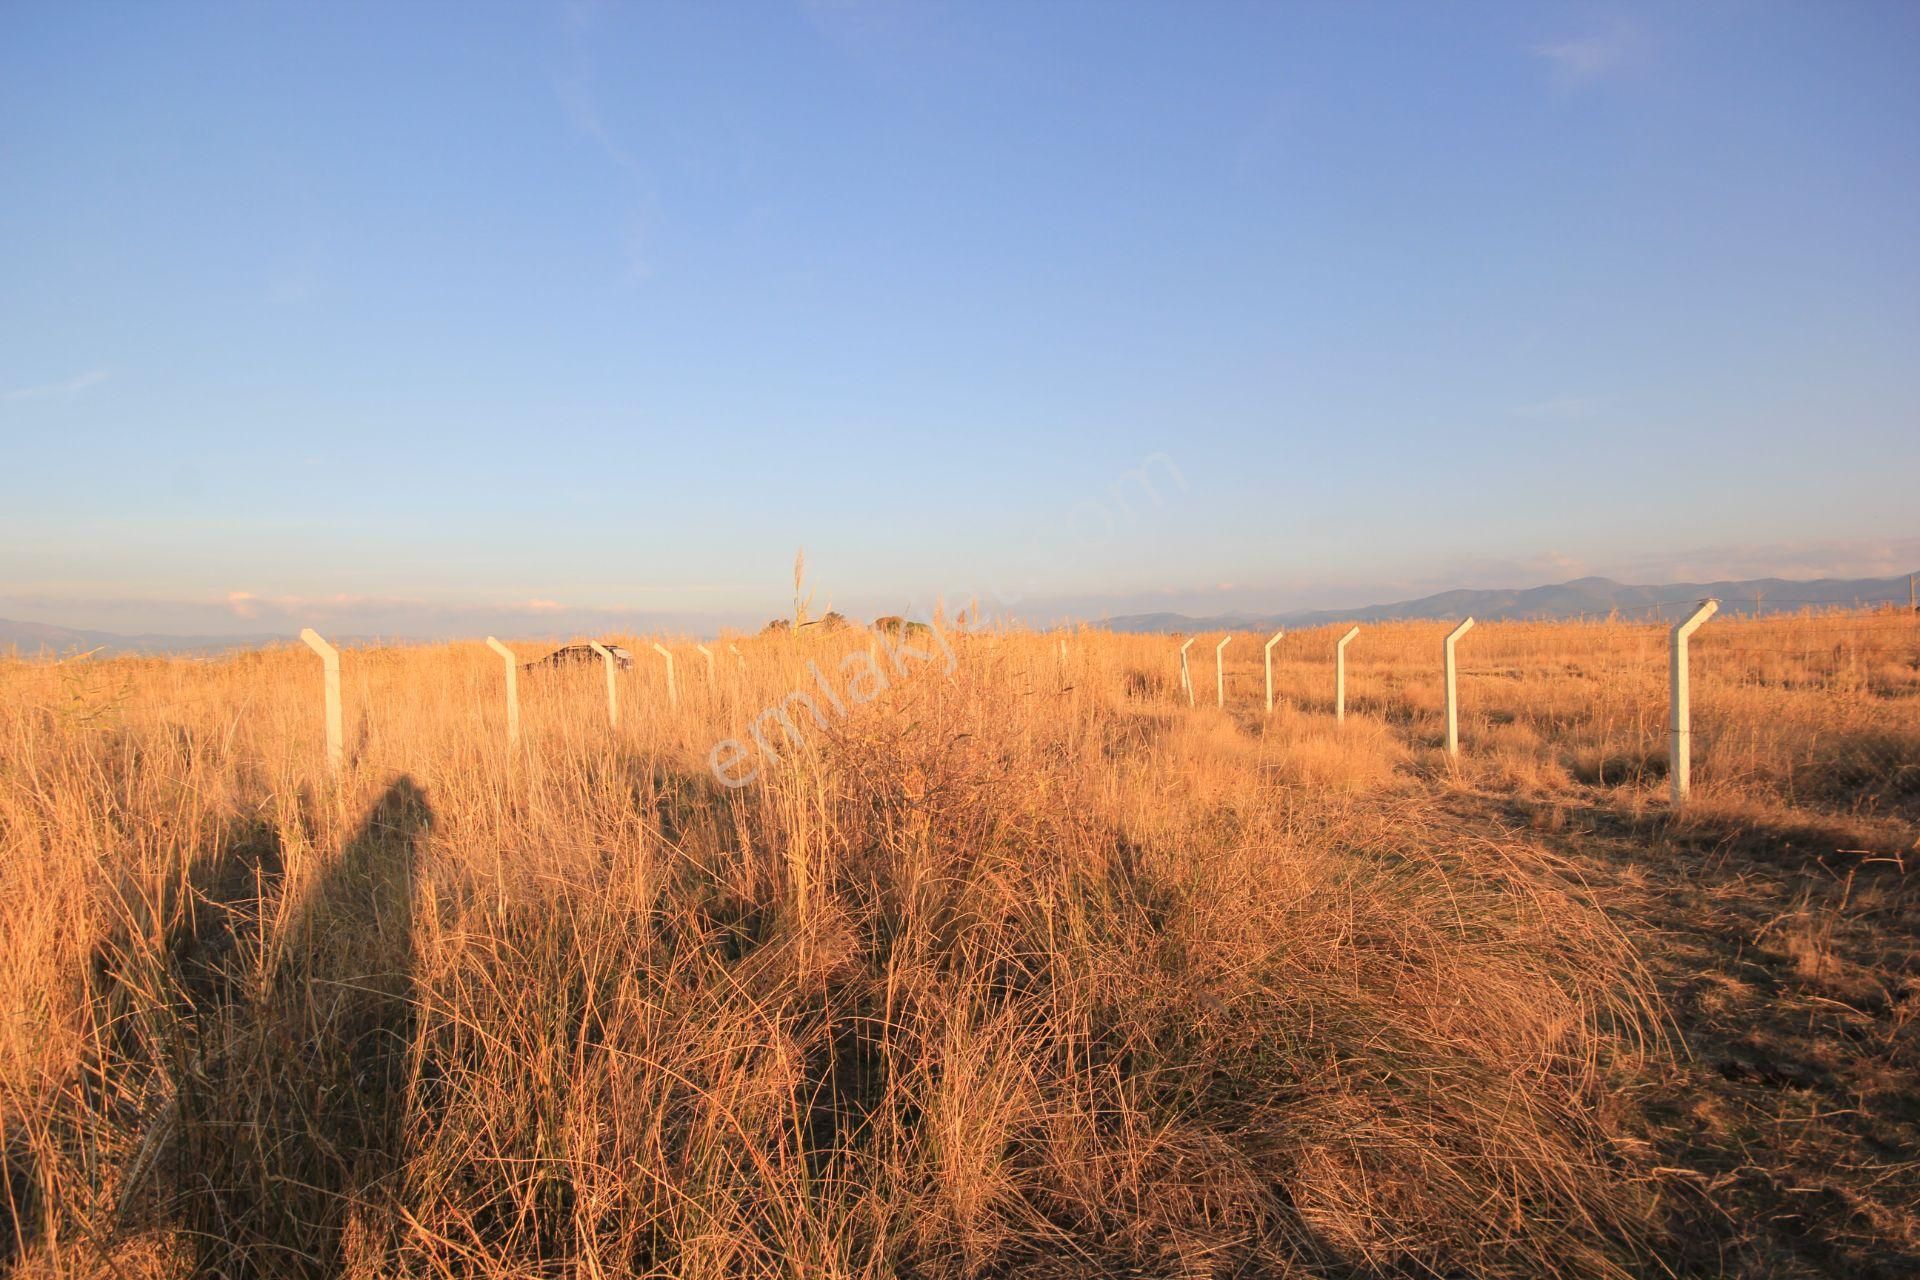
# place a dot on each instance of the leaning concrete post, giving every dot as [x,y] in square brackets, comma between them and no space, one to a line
[513,688]
[1680,767]
[673,694]
[613,690]
[1186,672]
[1340,675]
[330,667]
[1453,691]
[708,655]
[1220,672]
[1270,644]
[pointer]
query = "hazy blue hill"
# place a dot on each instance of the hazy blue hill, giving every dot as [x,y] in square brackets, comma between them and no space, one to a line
[36,639]
[1588,597]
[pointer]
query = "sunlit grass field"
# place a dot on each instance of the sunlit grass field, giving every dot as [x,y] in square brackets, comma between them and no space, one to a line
[1009,962]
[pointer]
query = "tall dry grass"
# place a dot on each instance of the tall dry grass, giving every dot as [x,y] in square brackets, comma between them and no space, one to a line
[1815,713]
[1023,969]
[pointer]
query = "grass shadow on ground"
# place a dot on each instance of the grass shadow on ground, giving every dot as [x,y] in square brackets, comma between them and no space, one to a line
[1784,1130]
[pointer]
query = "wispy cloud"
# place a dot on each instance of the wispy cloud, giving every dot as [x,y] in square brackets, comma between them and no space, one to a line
[1580,61]
[71,389]
[354,614]
[343,614]
[245,604]
[1833,558]
[580,102]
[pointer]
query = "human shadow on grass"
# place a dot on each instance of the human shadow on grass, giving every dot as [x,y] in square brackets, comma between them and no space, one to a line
[261,1054]
[291,1131]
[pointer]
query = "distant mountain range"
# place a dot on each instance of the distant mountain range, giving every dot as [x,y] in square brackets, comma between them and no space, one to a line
[35,638]
[1583,597]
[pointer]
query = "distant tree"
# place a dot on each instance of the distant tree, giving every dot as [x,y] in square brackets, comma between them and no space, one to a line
[834,621]
[778,626]
[895,625]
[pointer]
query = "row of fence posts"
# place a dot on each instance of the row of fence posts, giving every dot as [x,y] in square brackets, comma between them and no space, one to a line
[1220,672]
[1680,720]
[330,667]
[1680,725]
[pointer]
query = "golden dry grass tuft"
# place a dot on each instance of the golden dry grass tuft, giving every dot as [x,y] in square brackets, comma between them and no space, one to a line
[1026,968]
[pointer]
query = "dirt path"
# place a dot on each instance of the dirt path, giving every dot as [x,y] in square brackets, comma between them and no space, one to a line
[1785,1129]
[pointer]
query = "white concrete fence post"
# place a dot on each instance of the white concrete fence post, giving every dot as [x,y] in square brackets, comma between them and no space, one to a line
[1220,672]
[1270,644]
[1453,689]
[673,694]
[1340,675]
[613,691]
[708,655]
[734,649]
[1680,766]
[330,667]
[1186,672]
[513,688]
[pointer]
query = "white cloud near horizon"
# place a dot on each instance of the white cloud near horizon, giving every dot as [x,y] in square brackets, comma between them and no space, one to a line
[1805,561]
[242,612]
[1839,558]
[245,613]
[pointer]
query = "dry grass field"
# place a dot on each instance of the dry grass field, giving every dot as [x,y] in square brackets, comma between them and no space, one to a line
[1024,967]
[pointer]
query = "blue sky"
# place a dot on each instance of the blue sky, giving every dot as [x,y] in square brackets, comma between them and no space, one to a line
[422,318]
